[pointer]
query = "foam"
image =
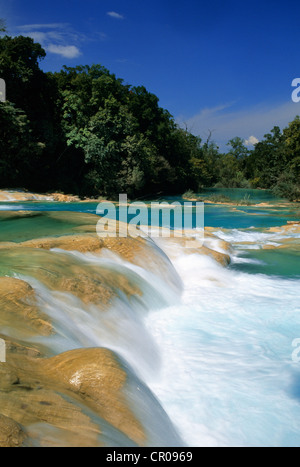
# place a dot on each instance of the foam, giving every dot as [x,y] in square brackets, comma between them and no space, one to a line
[226,352]
[219,357]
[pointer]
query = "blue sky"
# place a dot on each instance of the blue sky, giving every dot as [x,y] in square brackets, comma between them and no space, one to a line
[225,66]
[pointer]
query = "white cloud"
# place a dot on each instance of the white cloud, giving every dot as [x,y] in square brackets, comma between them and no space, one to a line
[251,141]
[56,38]
[115,15]
[67,51]
[226,123]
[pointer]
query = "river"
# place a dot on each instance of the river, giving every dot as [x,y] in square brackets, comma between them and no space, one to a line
[213,343]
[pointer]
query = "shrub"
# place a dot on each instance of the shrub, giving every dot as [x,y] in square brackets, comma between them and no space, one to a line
[287,187]
[189,195]
[245,201]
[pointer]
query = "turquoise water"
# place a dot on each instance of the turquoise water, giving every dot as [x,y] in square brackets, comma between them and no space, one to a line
[280,263]
[215,215]
[219,356]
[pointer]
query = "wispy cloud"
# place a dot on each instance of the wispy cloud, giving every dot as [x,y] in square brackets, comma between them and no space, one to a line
[56,38]
[32,27]
[225,122]
[114,14]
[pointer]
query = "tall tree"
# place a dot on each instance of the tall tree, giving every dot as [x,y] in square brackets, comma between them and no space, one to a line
[19,152]
[238,148]
[28,87]
[291,136]
[267,161]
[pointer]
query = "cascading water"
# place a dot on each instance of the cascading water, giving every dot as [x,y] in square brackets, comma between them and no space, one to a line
[213,344]
[228,377]
[219,360]
[119,327]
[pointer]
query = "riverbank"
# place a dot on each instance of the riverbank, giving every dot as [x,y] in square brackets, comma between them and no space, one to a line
[239,197]
[241,203]
[23,196]
[14,196]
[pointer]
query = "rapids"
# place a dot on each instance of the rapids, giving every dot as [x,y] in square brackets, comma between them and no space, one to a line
[207,349]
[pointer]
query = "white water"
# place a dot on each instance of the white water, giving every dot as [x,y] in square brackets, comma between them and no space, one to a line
[12,196]
[7,207]
[254,236]
[219,358]
[228,378]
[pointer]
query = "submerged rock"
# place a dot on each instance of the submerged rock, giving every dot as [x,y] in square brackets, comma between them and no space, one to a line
[63,233]
[211,245]
[291,227]
[64,272]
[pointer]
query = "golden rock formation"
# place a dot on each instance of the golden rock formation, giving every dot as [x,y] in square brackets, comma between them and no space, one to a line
[60,392]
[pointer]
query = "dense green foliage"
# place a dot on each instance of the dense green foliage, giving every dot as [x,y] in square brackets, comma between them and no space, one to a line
[82,130]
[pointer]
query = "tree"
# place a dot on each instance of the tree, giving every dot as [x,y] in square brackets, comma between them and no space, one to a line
[238,148]
[291,136]
[19,152]
[127,140]
[98,122]
[83,130]
[288,182]
[28,87]
[267,161]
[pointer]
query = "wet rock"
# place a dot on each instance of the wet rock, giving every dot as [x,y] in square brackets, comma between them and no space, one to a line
[62,198]
[18,308]
[11,433]
[22,196]
[221,258]
[96,376]
[83,244]
[291,227]
[175,246]
[62,392]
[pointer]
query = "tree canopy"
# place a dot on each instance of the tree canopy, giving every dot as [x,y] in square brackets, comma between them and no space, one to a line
[82,130]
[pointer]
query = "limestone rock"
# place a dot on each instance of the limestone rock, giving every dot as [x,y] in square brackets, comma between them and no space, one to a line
[18,308]
[11,433]
[96,376]
[62,391]
[62,198]
[221,258]
[83,243]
